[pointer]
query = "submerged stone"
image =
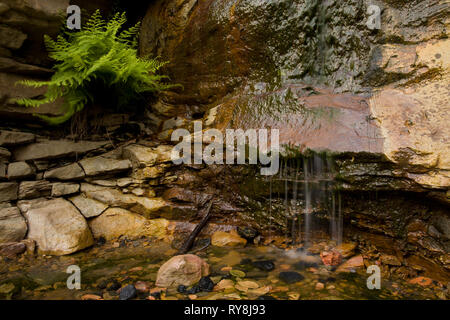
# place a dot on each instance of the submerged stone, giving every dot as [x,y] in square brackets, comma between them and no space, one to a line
[247,233]
[264,265]
[290,277]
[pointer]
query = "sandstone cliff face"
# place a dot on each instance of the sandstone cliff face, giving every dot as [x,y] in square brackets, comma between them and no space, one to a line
[315,70]
[378,100]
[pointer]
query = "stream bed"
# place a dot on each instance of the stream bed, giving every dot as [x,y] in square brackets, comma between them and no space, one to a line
[251,272]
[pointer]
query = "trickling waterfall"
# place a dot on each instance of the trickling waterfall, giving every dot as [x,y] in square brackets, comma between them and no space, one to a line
[310,198]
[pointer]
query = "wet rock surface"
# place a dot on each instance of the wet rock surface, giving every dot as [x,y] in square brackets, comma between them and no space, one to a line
[322,88]
[264,265]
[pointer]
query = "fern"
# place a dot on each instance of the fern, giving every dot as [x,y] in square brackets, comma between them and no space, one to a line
[99,54]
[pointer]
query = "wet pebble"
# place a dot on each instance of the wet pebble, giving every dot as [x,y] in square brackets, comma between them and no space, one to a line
[155,294]
[195,289]
[290,277]
[128,292]
[264,265]
[206,284]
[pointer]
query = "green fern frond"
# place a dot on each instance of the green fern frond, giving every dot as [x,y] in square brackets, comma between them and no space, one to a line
[100,53]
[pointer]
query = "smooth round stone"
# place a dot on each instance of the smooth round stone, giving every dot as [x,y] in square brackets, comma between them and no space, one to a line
[128,292]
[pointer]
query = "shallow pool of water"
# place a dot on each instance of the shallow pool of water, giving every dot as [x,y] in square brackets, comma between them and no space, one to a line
[106,268]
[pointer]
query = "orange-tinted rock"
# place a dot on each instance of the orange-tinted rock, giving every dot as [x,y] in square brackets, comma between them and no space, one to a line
[347,249]
[351,264]
[223,239]
[331,258]
[423,281]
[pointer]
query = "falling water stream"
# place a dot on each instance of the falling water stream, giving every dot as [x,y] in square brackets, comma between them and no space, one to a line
[310,197]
